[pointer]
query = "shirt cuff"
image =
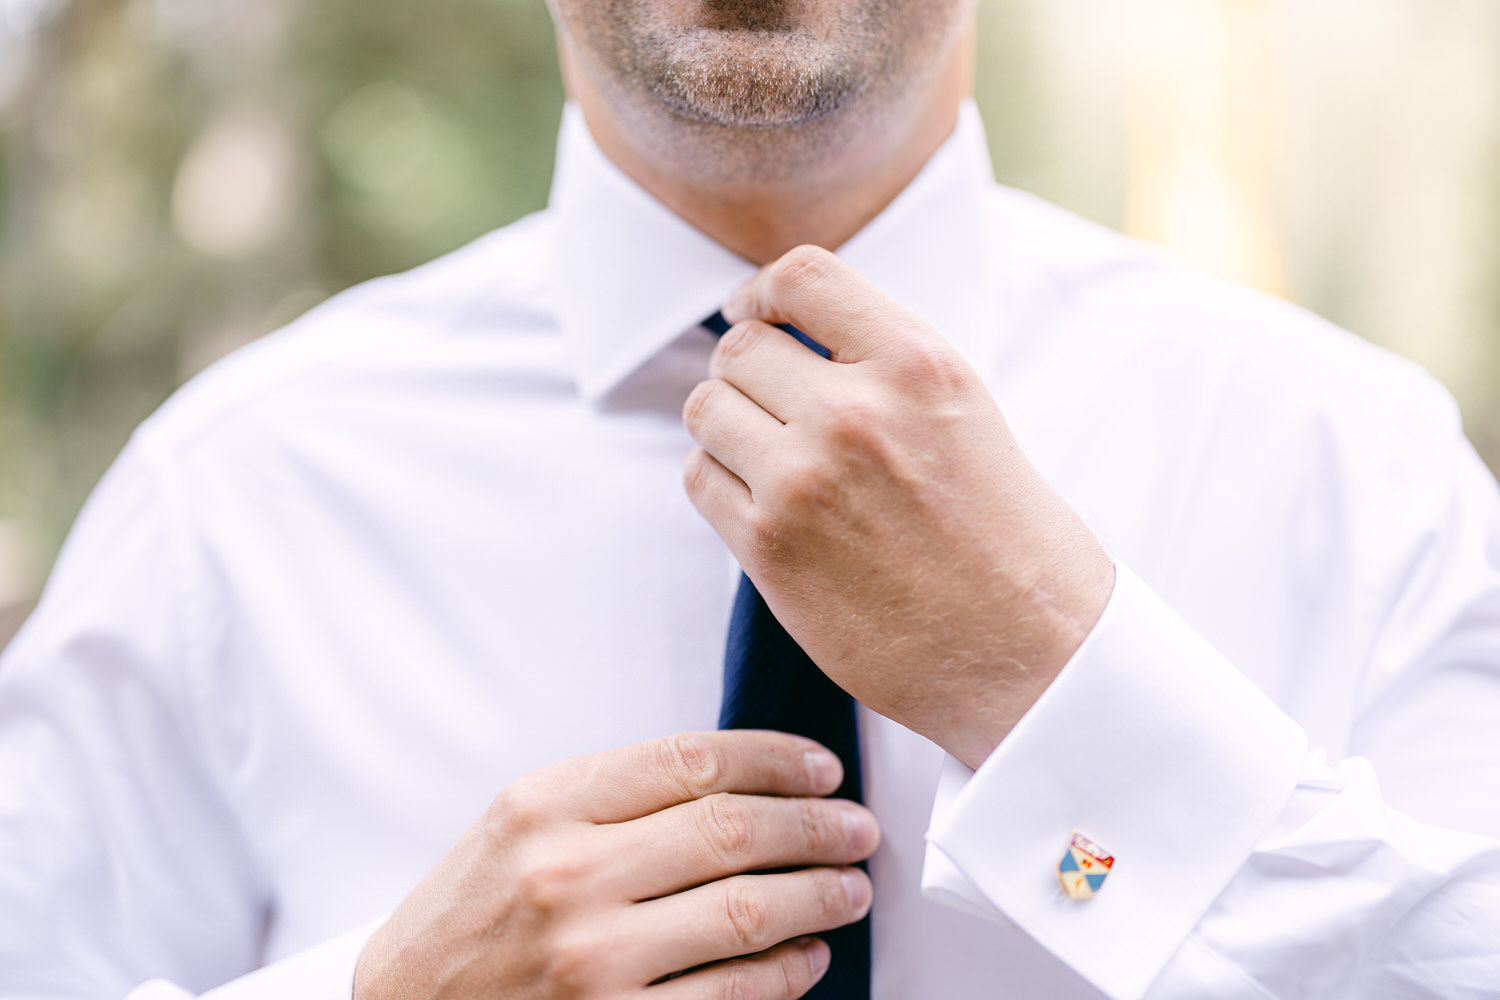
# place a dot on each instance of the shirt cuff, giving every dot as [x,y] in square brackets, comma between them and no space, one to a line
[1153,746]
[322,972]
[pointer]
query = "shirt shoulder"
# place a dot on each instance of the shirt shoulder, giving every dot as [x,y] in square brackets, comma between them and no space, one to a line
[500,283]
[1200,425]
[1131,308]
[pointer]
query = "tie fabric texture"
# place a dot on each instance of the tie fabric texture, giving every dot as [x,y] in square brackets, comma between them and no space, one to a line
[770,683]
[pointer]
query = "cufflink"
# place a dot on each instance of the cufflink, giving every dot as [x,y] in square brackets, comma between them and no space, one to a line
[1084,867]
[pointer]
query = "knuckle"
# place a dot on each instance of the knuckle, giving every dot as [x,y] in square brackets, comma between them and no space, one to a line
[495,823]
[746,917]
[573,967]
[795,974]
[691,761]
[808,485]
[738,341]
[822,827]
[695,471]
[741,982]
[932,369]
[801,267]
[519,808]
[695,410]
[546,880]
[729,827]
[738,982]
[853,420]
[829,898]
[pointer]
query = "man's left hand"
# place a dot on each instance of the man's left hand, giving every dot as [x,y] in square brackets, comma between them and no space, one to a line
[880,504]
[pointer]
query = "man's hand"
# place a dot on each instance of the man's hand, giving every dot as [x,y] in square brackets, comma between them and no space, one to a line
[881,506]
[598,876]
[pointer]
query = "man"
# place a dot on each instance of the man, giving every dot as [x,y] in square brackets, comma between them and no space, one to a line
[426,557]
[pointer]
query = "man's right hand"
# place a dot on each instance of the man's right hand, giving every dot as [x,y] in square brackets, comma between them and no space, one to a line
[601,875]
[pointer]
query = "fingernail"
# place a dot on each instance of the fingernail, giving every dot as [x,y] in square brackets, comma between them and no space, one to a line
[859,828]
[823,769]
[857,888]
[817,955]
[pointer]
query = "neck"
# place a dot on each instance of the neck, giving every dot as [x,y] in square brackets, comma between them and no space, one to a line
[820,186]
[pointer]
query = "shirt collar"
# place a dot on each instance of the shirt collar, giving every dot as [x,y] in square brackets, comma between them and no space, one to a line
[633,276]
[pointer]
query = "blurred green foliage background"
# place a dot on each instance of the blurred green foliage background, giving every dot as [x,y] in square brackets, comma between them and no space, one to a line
[178,177]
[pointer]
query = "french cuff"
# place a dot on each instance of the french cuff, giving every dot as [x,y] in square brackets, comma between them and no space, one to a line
[1154,748]
[322,972]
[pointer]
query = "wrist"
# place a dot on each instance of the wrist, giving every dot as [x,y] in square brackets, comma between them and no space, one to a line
[1057,609]
[378,974]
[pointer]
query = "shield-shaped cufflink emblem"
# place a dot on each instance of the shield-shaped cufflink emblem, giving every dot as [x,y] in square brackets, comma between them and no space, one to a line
[1084,867]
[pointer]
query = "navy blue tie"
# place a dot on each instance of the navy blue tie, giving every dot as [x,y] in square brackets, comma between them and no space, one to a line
[770,683]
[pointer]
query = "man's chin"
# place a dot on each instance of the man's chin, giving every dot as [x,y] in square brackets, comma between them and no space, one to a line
[749,79]
[753,15]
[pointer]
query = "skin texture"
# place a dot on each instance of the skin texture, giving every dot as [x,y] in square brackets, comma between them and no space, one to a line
[599,876]
[883,509]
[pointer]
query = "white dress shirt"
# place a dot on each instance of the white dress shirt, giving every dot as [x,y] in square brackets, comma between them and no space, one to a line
[353,580]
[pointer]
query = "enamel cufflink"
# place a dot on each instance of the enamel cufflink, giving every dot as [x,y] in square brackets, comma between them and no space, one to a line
[1084,867]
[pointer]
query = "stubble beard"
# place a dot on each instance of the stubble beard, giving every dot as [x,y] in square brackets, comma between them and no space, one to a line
[757,91]
[749,78]
[752,90]
[744,64]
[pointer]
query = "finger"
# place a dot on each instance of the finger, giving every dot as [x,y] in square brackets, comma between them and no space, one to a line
[732,428]
[771,367]
[722,835]
[719,495]
[741,916]
[638,780]
[785,972]
[829,301]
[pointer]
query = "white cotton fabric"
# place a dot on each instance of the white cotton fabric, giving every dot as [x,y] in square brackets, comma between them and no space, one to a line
[353,580]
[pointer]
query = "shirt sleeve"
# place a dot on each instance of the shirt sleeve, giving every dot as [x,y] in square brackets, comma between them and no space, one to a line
[323,972]
[122,870]
[1246,863]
